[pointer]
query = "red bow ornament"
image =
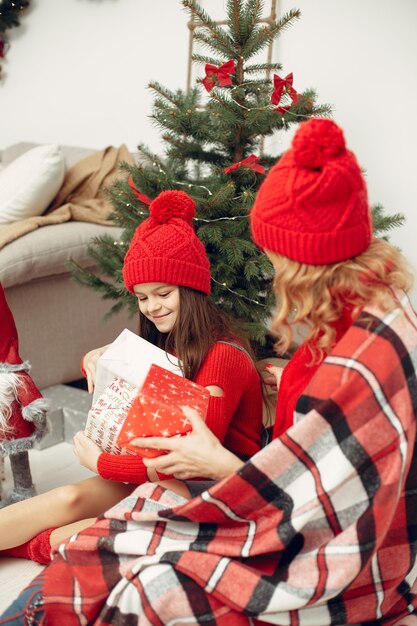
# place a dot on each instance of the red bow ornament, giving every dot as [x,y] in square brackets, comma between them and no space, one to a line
[251,162]
[283,83]
[140,196]
[221,74]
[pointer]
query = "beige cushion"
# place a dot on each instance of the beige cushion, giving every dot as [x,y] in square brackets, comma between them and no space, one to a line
[30,183]
[46,251]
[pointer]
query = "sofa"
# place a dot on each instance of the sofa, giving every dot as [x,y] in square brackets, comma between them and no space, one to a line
[58,320]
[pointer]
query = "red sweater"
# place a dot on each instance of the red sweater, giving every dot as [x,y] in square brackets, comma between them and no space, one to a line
[298,374]
[235,418]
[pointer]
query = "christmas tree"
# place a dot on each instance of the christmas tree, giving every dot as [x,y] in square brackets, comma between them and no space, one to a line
[214,136]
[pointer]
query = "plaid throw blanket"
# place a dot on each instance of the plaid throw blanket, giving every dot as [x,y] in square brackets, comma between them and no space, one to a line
[318,528]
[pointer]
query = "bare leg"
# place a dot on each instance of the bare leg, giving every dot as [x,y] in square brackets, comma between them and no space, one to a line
[64,532]
[60,534]
[23,520]
[177,486]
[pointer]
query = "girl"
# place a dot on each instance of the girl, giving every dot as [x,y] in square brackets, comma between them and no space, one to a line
[167,268]
[319,526]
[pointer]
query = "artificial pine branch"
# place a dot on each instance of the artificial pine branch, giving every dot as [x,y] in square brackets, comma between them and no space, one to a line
[164,92]
[203,59]
[266,35]
[383,223]
[223,42]
[253,14]
[151,157]
[225,49]
[10,11]
[263,67]
[234,14]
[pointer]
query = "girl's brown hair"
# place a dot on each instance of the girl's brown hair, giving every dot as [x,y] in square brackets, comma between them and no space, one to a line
[315,295]
[199,325]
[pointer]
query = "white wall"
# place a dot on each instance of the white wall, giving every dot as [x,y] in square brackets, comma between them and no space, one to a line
[77,70]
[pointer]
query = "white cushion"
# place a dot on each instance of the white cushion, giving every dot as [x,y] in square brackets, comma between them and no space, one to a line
[29,184]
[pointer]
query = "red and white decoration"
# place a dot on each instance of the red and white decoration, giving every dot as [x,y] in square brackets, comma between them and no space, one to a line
[106,416]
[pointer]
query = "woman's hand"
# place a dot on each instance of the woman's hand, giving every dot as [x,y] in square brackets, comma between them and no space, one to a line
[197,455]
[272,376]
[86,451]
[90,365]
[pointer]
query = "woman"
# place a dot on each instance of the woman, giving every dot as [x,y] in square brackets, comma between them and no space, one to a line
[318,528]
[167,269]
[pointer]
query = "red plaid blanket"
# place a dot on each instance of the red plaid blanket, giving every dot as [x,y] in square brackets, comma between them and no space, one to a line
[318,528]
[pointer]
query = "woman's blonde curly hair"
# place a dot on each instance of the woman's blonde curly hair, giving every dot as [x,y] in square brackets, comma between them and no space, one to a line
[315,295]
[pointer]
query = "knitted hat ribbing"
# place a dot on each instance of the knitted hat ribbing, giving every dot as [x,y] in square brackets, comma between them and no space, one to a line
[312,207]
[165,247]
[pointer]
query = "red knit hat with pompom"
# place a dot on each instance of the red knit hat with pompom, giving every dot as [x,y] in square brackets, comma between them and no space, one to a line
[165,248]
[313,205]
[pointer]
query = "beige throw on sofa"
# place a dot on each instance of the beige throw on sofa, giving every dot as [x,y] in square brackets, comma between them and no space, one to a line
[80,197]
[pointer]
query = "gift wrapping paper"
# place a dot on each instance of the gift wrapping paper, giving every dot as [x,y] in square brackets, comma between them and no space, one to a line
[157,409]
[106,416]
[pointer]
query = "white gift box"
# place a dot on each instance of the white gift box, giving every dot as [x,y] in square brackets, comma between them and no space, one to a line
[130,357]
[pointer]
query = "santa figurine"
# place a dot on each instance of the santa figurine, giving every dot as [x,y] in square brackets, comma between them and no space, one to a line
[22,410]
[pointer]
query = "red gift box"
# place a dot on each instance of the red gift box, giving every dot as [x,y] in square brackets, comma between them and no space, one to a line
[157,409]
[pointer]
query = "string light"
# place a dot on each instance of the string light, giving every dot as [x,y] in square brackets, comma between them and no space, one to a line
[240,295]
[270,107]
[189,185]
[241,105]
[199,219]
[252,108]
[219,219]
[128,205]
[263,108]
[297,114]
[178,182]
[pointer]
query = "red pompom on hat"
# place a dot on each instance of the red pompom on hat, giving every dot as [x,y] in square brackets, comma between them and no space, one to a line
[313,205]
[165,248]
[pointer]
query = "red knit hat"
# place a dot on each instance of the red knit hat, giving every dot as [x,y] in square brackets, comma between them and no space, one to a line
[165,247]
[9,343]
[313,206]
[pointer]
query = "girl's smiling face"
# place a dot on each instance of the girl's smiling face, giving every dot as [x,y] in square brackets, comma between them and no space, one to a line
[160,303]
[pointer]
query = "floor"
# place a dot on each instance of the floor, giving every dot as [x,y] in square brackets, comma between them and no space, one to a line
[16,573]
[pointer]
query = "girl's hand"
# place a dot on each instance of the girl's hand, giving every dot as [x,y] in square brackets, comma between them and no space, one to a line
[90,365]
[197,455]
[86,451]
[273,376]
